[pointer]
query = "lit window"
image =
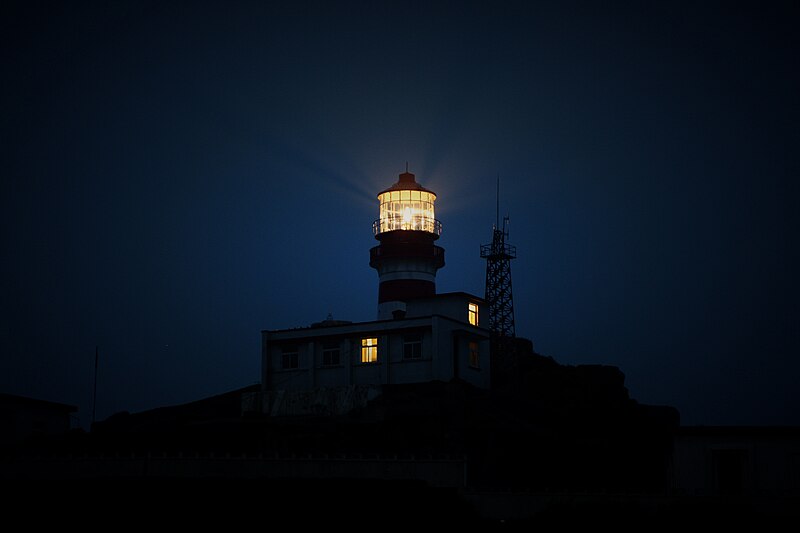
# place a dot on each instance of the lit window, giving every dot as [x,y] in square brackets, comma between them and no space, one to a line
[473,314]
[330,353]
[369,350]
[412,346]
[474,355]
[290,358]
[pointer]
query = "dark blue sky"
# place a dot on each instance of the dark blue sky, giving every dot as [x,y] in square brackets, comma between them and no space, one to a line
[179,176]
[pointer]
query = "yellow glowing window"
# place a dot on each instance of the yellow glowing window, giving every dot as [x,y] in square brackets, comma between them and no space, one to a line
[474,355]
[369,350]
[405,195]
[473,314]
[415,195]
[395,196]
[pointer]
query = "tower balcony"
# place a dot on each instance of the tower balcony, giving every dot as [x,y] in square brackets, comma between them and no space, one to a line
[498,250]
[405,223]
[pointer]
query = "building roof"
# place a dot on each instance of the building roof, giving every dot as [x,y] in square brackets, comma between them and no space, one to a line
[332,326]
[12,400]
[738,431]
[374,325]
[406,183]
[460,294]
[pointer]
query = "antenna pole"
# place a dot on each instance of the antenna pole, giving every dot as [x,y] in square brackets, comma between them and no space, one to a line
[497,208]
[94,394]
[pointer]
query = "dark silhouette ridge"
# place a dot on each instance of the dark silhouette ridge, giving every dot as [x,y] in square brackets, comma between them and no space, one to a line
[24,419]
[506,434]
[548,443]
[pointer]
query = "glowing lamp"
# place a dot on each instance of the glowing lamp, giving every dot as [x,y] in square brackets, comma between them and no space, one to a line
[407,206]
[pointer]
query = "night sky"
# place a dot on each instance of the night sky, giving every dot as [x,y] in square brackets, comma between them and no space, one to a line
[177,177]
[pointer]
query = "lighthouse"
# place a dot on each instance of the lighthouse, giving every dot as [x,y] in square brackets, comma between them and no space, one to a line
[419,335]
[406,258]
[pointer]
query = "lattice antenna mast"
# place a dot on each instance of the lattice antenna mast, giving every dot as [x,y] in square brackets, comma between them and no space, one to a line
[498,295]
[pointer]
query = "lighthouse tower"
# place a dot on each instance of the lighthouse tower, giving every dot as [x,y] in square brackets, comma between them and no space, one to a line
[406,258]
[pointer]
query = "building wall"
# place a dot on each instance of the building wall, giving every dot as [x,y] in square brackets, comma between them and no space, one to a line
[444,354]
[22,418]
[723,461]
[451,305]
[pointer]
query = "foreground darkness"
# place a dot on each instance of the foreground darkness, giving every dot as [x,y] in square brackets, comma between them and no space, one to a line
[543,427]
[229,503]
[547,443]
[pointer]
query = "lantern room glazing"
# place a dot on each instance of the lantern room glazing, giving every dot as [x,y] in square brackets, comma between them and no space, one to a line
[407,209]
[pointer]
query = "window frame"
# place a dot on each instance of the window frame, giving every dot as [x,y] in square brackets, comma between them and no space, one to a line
[473,310]
[329,348]
[292,355]
[369,350]
[412,340]
[474,355]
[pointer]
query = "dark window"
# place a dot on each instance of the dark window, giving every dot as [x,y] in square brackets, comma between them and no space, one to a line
[330,353]
[290,357]
[412,346]
[474,355]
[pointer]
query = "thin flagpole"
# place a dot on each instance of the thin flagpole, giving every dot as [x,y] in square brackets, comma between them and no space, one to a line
[94,395]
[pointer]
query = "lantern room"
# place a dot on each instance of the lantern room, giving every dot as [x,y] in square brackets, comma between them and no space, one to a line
[407,206]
